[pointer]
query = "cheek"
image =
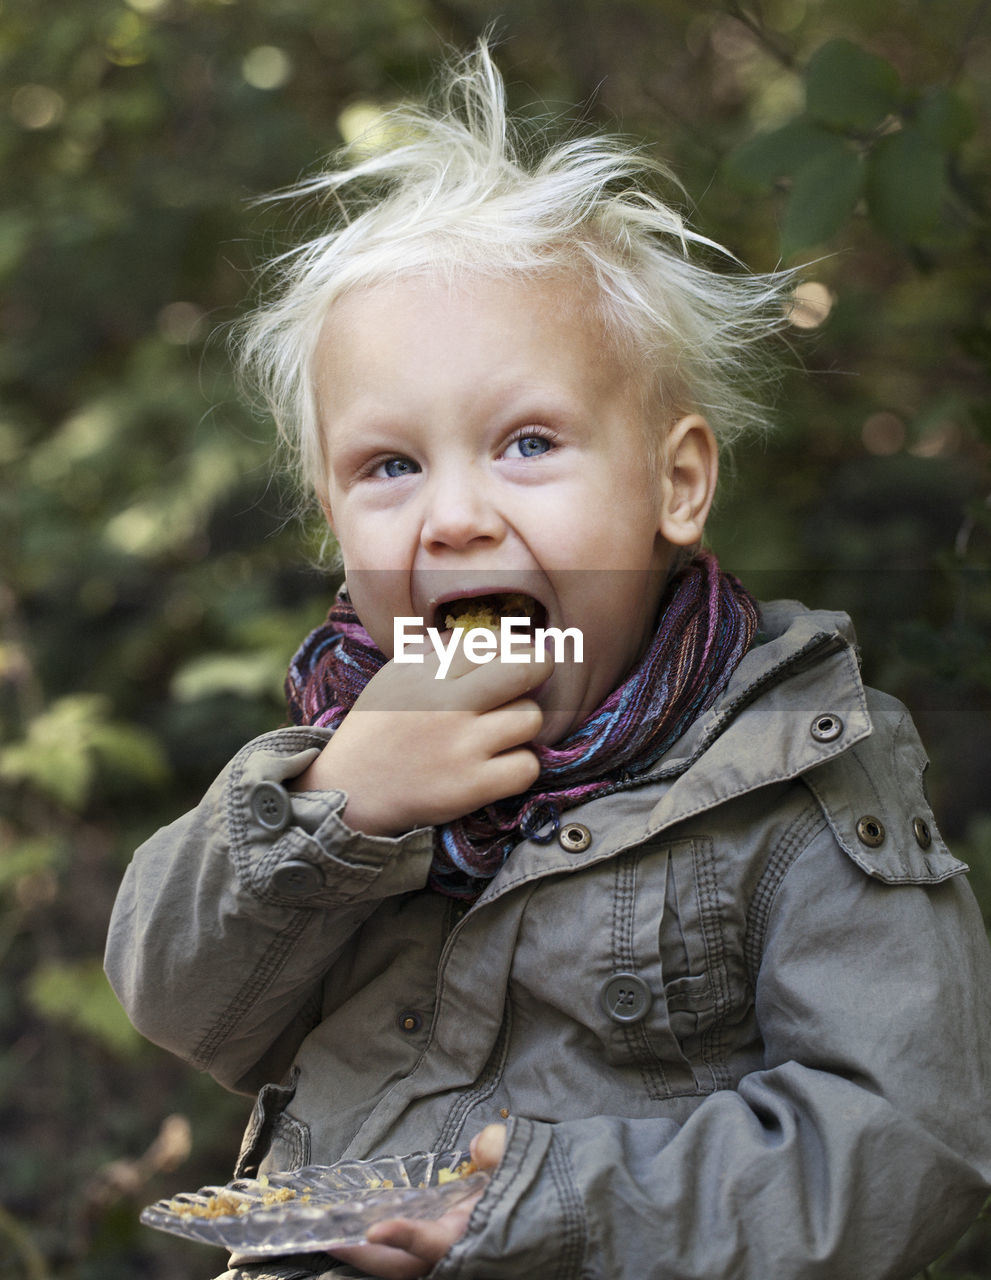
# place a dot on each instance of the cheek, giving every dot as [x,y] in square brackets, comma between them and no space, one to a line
[379,626]
[598,529]
[610,654]
[622,621]
[365,544]
[379,596]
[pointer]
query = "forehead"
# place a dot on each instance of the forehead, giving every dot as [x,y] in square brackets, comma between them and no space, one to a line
[423,317]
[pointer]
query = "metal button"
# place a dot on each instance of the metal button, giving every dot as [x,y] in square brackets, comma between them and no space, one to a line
[923,836]
[826,727]
[626,997]
[870,831]
[409,1021]
[297,879]
[574,837]
[270,806]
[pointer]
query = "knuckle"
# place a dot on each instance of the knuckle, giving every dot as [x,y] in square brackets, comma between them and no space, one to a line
[529,767]
[531,715]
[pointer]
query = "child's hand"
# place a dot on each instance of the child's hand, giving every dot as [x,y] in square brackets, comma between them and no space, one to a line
[417,751]
[405,1248]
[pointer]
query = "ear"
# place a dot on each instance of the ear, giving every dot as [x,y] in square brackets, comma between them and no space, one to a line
[690,469]
[328,515]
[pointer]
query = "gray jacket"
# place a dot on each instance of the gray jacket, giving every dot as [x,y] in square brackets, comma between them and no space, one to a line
[737,1016]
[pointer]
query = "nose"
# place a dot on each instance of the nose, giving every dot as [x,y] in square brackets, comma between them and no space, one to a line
[460,511]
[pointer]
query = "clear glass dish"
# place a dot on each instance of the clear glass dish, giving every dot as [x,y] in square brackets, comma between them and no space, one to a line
[317,1207]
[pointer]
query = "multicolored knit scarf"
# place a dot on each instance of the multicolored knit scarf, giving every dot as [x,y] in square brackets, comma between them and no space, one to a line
[707,622]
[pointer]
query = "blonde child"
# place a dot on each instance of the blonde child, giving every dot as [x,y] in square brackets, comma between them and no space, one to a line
[664,927]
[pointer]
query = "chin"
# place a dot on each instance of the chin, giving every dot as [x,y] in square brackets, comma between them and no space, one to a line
[557,725]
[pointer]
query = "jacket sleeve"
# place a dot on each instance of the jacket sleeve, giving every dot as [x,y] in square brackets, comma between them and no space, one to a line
[227,920]
[861,1148]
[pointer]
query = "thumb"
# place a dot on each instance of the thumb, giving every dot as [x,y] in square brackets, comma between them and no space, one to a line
[487,1147]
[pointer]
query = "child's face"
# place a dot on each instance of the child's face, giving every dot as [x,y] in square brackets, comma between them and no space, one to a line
[485,438]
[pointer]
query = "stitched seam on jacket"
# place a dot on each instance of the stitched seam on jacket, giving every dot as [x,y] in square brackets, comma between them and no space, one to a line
[794,843]
[714,1049]
[237,822]
[573,1230]
[822,645]
[635,1035]
[296,740]
[622,942]
[484,1088]
[261,977]
[295,1135]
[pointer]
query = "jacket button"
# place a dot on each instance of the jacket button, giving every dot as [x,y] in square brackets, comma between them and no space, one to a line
[870,831]
[923,836]
[573,837]
[297,879]
[270,806]
[827,727]
[626,997]
[409,1022]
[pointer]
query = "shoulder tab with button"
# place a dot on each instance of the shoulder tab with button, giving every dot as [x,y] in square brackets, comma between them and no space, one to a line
[874,799]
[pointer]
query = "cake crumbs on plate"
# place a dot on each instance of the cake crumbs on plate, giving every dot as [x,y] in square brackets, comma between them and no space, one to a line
[462,1170]
[229,1204]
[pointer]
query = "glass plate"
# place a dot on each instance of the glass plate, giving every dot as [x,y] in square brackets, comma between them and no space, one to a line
[317,1207]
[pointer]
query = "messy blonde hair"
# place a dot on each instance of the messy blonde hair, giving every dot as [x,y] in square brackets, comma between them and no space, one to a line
[464,189]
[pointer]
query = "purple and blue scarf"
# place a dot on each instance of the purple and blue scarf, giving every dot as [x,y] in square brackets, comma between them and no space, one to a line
[706,623]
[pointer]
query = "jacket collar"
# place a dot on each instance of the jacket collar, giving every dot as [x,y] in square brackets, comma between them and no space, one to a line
[765,728]
[768,725]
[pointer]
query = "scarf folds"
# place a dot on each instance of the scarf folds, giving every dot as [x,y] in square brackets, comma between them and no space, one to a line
[706,623]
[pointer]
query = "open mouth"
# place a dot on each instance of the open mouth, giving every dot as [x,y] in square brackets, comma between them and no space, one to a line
[488,610]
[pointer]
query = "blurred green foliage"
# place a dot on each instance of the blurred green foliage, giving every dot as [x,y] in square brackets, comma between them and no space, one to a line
[153,583]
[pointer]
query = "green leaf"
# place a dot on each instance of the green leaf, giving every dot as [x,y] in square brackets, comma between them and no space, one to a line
[944,119]
[65,743]
[764,159]
[78,995]
[28,857]
[53,756]
[247,675]
[906,185]
[848,88]
[15,234]
[823,195]
[128,752]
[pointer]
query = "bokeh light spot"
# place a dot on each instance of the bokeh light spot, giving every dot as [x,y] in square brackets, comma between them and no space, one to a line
[266,67]
[883,434]
[811,304]
[179,322]
[941,440]
[35,106]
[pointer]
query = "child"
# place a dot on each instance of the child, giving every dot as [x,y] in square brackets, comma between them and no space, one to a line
[665,926]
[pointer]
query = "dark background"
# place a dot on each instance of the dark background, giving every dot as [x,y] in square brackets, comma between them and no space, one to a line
[153,581]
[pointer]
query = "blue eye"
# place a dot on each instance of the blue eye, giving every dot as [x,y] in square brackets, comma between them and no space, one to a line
[529,446]
[396,468]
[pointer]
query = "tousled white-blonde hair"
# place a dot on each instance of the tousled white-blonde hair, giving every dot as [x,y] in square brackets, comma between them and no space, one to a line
[464,189]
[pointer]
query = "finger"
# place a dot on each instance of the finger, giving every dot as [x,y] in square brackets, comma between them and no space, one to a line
[381,1260]
[465,653]
[424,1238]
[413,1238]
[500,682]
[450,657]
[506,774]
[510,725]
[488,1146]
